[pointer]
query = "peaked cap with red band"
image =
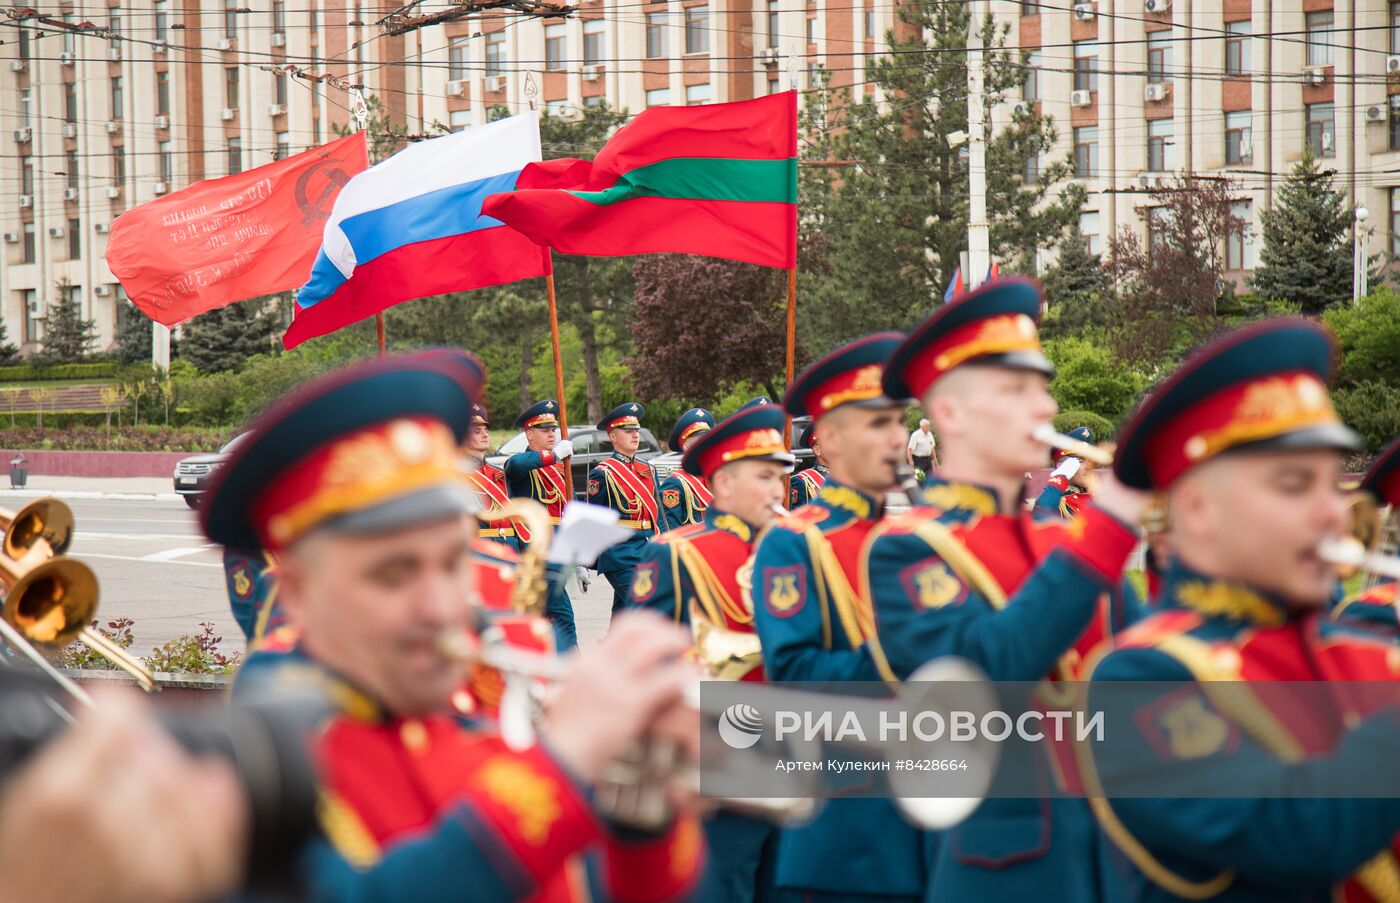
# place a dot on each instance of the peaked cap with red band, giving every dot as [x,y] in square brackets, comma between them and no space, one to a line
[1383,476]
[994,325]
[1263,387]
[693,421]
[752,434]
[626,416]
[368,449]
[543,414]
[849,375]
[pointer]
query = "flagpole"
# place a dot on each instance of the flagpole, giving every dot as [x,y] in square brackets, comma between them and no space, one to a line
[791,344]
[558,369]
[379,328]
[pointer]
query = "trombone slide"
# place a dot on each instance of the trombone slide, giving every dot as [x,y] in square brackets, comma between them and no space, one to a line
[1046,434]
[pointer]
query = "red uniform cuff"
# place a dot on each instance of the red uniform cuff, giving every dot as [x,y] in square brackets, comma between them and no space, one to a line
[654,870]
[547,458]
[1061,483]
[1101,541]
[535,807]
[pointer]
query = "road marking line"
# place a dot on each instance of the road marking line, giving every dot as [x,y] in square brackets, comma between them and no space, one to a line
[197,564]
[172,554]
[142,537]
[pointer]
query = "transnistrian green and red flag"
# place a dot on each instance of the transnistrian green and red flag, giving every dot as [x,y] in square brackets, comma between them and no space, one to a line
[719,180]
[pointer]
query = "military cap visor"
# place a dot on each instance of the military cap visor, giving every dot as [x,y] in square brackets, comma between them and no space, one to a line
[1382,478]
[993,326]
[433,390]
[1261,388]
[442,502]
[696,420]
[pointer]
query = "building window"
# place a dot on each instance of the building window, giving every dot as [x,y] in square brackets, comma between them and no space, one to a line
[279,16]
[458,55]
[1394,27]
[70,167]
[697,29]
[315,18]
[1030,88]
[495,53]
[29,229]
[869,23]
[595,42]
[657,42]
[695,94]
[1032,171]
[1029,8]
[459,119]
[1086,66]
[284,146]
[33,317]
[167,162]
[1395,222]
[1322,129]
[114,24]
[162,17]
[279,88]
[658,97]
[1157,222]
[74,298]
[556,40]
[26,175]
[1237,47]
[26,107]
[116,97]
[23,43]
[118,166]
[773,83]
[75,240]
[70,34]
[556,107]
[811,29]
[1319,30]
[231,19]
[163,93]
[1394,118]
[235,156]
[1091,230]
[70,102]
[1086,152]
[1159,57]
[1239,244]
[1159,145]
[773,23]
[231,87]
[1239,140]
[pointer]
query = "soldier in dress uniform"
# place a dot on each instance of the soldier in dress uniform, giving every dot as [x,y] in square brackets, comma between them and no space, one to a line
[1067,490]
[251,580]
[1378,607]
[353,482]
[685,496]
[816,624]
[804,485]
[628,486]
[539,472]
[1244,444]
[756,401]
[974,574]
[489,483]
[696,575]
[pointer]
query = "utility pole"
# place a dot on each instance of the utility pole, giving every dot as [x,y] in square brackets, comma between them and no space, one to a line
[979,240]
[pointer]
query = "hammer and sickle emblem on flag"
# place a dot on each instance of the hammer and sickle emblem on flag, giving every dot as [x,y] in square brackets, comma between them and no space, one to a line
[318,209]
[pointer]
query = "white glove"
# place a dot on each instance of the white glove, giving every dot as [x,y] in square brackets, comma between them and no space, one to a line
[584,577]
[1068,468]
[565,449]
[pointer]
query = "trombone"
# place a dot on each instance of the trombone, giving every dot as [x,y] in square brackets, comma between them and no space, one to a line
[50,600]
[633,790]
[1358,549]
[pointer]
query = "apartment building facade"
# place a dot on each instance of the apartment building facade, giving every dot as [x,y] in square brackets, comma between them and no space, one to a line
[138,101]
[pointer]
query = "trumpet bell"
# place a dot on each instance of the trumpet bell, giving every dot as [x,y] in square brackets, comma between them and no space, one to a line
[52,602]
[49,520]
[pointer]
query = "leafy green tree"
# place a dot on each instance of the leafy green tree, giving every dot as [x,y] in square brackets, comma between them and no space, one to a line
[1369,336]
[1089,378]
[885,198]
[1306,254]
[67,336]
[223,339]
[386,137]
[9,352]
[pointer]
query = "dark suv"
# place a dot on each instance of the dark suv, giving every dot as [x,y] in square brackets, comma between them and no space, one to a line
[192,474]
[590,447]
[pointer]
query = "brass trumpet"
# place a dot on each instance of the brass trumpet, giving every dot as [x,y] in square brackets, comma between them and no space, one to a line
[634,789]
[1357,550]
[43,523]
[1046,434]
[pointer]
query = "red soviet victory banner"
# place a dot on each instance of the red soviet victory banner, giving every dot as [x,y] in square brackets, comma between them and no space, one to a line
[225,240]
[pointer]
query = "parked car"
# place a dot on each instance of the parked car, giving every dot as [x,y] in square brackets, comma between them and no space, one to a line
[806,458]
[590,447]
[192,474]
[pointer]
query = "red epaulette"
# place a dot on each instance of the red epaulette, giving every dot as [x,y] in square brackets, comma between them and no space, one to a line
[905,522]
[803,518]
[1380,594]
[1152,630]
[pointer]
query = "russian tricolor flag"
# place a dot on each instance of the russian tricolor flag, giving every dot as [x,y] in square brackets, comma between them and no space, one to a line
[411,226]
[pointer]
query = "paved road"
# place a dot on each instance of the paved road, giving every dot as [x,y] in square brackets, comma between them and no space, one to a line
[155,568]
